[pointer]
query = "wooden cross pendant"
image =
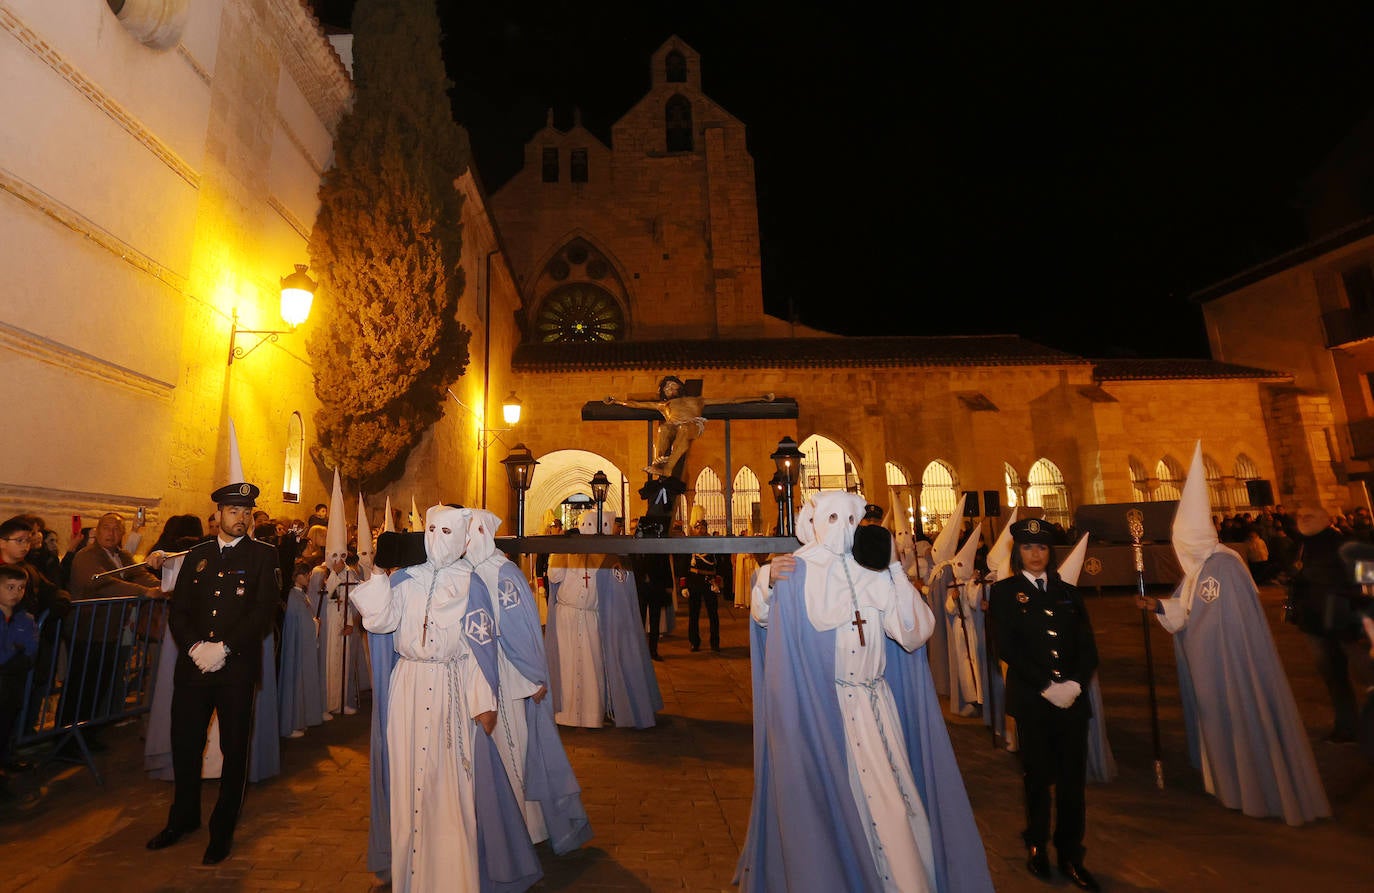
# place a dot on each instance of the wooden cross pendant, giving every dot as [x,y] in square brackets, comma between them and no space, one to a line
[586,576]
[858,623]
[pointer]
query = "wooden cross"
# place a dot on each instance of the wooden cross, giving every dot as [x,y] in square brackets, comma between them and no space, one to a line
[858,623]
[586,577]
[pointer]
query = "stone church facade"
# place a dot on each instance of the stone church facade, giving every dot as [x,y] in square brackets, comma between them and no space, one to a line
[640,259]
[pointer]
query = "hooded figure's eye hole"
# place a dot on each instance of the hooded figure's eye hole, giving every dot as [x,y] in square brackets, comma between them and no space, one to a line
[834,517]
[447,531]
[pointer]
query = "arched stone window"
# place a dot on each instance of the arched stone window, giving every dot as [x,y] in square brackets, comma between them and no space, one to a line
[1246,470]
[1140,480]
[562,489]
[677,115]
[1216,488]
[939,495]
[1013,484]
[1171,477]
[711,499]
[295,459]
[745,503]
[902,497]
[826,466]
[1048,491]
[675,68]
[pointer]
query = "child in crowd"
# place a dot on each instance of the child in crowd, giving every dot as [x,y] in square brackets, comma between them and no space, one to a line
[18,647]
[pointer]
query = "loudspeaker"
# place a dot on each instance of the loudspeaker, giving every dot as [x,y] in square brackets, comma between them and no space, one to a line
[970,503]
[992,506]
[1260,493]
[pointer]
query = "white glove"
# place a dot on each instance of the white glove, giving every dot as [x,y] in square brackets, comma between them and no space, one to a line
[209,656]
[1062,694]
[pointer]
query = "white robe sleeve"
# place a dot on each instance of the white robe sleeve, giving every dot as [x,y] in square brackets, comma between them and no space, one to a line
[558,568]
[481,699]
[761,595]
[378,606]
[912,622]
[1175,615]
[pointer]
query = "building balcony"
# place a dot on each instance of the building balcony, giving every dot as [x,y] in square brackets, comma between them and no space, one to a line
[1345,326]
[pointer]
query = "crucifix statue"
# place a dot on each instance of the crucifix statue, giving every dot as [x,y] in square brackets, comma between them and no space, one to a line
[682,423]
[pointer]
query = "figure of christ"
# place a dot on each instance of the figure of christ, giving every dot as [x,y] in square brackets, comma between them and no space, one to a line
[682,423]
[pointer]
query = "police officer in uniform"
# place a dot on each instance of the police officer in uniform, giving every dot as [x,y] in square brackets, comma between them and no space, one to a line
[224,602]
[1042,633]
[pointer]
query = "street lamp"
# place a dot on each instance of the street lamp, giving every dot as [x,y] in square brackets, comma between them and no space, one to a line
[778,482]
[788,459]
[297,294]
[520,473]
[600,485]
[510,409]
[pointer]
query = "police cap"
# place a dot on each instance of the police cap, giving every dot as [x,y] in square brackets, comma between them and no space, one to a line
[1032,530]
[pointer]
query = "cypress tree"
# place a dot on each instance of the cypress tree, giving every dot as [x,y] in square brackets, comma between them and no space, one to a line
[386,247]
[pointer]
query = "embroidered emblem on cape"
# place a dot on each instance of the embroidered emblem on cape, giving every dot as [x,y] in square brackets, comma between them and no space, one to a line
[507,594]
[1022,597]
[478,626]
[201,565]
[1209,590]
[620,574]
[1092,567]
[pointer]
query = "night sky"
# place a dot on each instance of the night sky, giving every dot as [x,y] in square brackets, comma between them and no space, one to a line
[1070,175]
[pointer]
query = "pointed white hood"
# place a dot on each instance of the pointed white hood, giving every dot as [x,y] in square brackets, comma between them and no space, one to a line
[336,536]
[947,541]
[364,533]
[964,561]
[1194,536]
[388,526]
[1071,568]
[999,556]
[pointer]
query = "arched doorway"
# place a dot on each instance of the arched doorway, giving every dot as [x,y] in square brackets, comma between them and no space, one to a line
[565,473]
[901,496]
[939,495]
[1047,490]
[745,503]
[826,466]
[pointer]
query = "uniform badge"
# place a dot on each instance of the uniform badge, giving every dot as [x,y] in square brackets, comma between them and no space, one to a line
[1032,526]
[1209,590]
[240,591]
[201,565]
[1022,597]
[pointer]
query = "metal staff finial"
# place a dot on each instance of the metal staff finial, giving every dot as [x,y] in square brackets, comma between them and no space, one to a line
[1135,522]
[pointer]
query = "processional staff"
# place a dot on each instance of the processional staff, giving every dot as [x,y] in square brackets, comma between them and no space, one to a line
[346,584]
[1135,520]
[96,578]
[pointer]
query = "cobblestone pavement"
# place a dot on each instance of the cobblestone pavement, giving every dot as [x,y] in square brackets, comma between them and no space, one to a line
[670,804]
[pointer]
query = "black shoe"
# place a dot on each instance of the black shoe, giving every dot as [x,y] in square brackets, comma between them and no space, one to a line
[1038,861]
[1078,875]
[1340,736]
[716,649]
[167,836]
[696,647]
[654,655]
[218,850]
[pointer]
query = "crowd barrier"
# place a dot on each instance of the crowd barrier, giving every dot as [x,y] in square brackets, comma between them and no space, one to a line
[95,666]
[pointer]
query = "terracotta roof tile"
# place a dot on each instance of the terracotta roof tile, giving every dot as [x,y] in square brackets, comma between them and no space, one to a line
[1155,370]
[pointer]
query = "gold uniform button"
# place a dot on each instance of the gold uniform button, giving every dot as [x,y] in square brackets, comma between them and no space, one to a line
[1054,654]
[214,613]
[1052,634]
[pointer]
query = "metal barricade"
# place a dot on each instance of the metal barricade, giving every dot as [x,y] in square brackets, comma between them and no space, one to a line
[96,668]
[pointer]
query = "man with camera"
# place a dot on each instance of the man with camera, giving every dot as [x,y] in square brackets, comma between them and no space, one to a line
[1324,602]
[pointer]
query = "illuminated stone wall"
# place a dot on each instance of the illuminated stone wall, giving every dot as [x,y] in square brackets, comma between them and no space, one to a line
[148,191]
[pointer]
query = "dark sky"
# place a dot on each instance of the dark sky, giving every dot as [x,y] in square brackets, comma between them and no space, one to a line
[1063,171]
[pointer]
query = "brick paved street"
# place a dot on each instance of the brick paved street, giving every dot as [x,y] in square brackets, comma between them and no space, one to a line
[670,804]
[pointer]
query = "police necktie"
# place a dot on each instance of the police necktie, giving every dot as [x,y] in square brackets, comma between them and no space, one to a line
[1040,583]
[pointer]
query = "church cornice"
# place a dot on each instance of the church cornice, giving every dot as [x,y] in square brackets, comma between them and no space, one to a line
[793,353]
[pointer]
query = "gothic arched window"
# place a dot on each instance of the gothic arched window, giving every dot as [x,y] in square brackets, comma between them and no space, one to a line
[675,68]
[677,115]
[579,312]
